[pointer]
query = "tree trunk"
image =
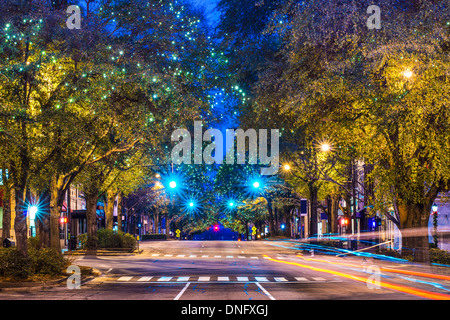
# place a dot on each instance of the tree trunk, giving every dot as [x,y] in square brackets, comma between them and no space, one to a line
[333,213]
[156,221]
[109,213]
[43,221]
[414,228]
[56,186]
[313,209]
[119,211]
[271,217]
[6,233]
[20,222]
[91,216]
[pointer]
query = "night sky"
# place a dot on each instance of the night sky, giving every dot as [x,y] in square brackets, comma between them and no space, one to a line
[209,6]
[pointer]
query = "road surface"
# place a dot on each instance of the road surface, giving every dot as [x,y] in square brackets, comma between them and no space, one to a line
[244,270]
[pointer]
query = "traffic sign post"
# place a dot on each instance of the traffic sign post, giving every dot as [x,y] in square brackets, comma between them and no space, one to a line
[178,233]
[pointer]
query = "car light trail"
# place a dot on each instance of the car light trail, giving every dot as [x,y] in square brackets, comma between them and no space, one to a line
[409,290]
[408,272]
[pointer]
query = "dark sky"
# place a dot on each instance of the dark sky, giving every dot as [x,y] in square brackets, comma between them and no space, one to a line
[209,6]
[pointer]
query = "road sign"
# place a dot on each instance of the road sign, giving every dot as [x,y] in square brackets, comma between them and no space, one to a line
[178,232]
[253,230]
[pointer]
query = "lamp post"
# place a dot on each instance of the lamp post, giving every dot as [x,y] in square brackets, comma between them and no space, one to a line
[434,207]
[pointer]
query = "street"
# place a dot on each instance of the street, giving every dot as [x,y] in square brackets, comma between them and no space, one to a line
[244,270]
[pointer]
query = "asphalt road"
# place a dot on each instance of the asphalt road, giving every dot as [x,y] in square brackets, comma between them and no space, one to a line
[235,270]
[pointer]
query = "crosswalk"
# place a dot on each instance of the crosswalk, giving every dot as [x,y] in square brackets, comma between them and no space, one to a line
[206,256]
[278,279]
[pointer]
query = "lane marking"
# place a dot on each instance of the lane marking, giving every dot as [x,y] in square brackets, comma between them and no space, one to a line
[242,278]
[265,291]
[280,279]
[203,278]
[164,279]
[301,279]
[145,278]
[182,291]
[223,279]
[124,279]
[183,279]
[261,279]
[318,278]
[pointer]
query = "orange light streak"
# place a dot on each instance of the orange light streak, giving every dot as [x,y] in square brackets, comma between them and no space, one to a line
[408,272]
[409,290]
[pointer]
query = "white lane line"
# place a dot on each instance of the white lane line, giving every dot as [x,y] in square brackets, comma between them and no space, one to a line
[205,256]
[203,278]
[182,291]
[155,255]
[229,257]
[241,257]
[183,279]
[261,279]
[168,255]
[242,278]
[164,279]
[223,279]
[124,279]
[265,291]
[192,256]
[217,256]
[181,255]
[254,257]
[145,278]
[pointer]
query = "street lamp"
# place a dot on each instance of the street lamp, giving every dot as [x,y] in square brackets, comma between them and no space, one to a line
[287,167]
[172,184]
[434,207]
[32,212]
[408,73]
[325,147]
[256,185]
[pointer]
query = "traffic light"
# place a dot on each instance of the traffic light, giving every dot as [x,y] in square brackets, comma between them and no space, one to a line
[63,220]
[344,221]
[216,227]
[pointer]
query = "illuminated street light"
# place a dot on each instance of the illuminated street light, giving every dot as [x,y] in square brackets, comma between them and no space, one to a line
[172,184]
[408,73]
[32,211]
[325,147]
[256,184]
[287,167]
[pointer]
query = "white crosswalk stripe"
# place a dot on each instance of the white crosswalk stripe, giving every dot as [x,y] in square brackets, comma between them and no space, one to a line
[183,279]
[165,279]
[223,279]
[145,278]
[278,279]
[242,278]
[124,279]
[261,279]
[203,278]
[301,279]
